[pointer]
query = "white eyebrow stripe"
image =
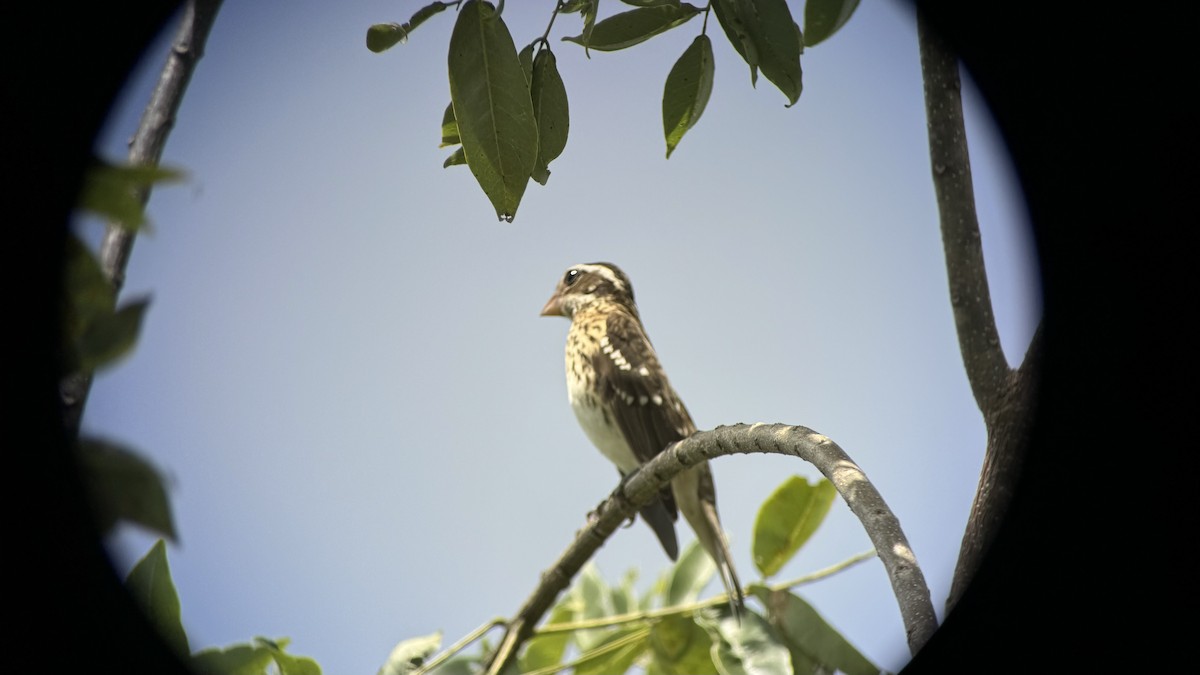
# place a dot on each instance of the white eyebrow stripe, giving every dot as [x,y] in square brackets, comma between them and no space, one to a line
[603,272]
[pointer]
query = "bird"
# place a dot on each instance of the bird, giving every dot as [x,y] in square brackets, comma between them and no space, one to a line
[628,409]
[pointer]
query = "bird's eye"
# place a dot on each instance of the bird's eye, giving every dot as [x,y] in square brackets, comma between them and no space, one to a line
[571,277]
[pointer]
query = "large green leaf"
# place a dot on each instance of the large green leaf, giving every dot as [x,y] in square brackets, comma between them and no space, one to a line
[637,25]
[746,647]
[117,192]
[492,106]
[411,654]
[109,337]
[149,582]
[787,519]
[809,637]
[122,485]
[680,647]
[822,18]
[383,36]
[689,576]
[550,109]
[765,35]
[687,89]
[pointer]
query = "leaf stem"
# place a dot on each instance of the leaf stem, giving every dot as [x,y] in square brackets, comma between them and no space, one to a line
[545,39]
[459,646]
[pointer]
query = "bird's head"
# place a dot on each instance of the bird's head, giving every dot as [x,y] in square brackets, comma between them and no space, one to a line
[587,284]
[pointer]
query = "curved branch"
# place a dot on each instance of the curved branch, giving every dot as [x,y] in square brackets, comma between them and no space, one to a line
[978,339]
[145,149]
[908,583]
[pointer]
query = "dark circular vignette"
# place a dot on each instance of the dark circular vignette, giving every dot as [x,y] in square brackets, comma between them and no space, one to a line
[1029,601]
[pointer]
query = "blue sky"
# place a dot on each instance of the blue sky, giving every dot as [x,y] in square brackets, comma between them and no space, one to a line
[364,419]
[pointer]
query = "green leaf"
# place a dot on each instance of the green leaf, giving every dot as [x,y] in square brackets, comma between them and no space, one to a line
[573,6]
[410,654]
[149,582]
[449,128]
[765,35]
[651,3]
[525,56]
[384,36]
[686,92]
[624,597]
[689,576]
[809,637]
[680,647]
[122,485]
[492,106]
[748,647]
[235,660]
[787,519]
[637,25]
[634,639]
[543,651]
[459,156]
[109,337]
[823,18]
[117,192]
[550,109]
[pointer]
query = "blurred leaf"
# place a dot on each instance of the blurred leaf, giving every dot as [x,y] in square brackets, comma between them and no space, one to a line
[492,106]
[464,665]
[686,92]
[634,641]
[634,26]
[449,128]
[624,597]
[88,295]
[287,663]
[383,36]
[823,18]
[572,6]
[689,576]
[764,34]
[787,519]
[149,582]
[542,651]
[122,485]
[550,109]
[236,660]
[109,337]
[651,3]
[596,603]
[410,654]
[810,637]
[116,192]
[459,156]
[680,647]
[745,648]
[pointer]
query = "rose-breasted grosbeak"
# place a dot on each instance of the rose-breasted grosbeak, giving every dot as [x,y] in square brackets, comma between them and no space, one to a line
[626,406]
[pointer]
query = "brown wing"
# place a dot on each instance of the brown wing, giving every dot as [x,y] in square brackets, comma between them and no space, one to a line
[646,409]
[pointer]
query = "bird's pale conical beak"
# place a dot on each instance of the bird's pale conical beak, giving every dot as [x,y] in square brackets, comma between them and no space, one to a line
[553,305]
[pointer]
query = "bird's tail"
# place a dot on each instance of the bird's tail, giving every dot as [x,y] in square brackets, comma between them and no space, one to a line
[697,499]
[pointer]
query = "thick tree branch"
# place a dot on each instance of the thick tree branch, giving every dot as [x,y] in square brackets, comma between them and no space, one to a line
[1004,396]
[145,149]
[864,501]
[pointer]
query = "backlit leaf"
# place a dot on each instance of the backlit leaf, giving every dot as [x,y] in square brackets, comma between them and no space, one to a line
[687,89]
[383,36]
[550,109]
[809,637]
[411,654]
[765,35]
[787,519]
